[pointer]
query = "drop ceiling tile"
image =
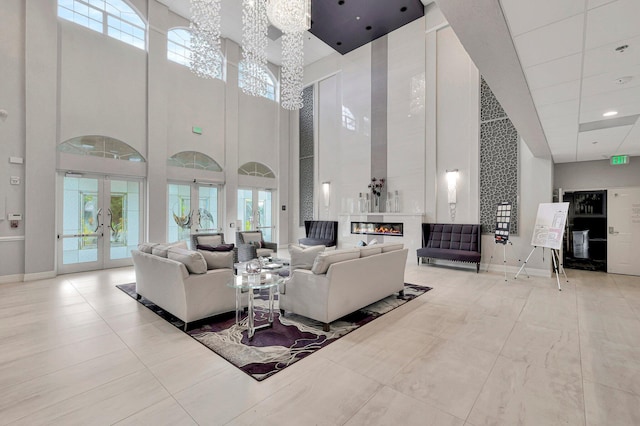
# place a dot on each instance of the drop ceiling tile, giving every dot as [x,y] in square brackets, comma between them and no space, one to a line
[597,3]
[554,72]
[626,102]
[605,59]
[551,42]
[608,82]
[616,21]
[567,109]
[631,144]
[558,93]
[608,141]
[524,16]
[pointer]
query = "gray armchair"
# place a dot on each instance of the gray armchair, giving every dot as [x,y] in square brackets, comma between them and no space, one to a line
[211,239]
[252,245]
[320,232]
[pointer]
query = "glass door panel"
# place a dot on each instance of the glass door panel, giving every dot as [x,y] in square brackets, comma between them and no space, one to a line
[265,214]
[180,212]
[245,209]
[81,230]
[124,218]
[207,209]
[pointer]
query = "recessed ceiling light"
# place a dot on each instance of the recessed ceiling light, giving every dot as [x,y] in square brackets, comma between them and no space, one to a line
[610,113]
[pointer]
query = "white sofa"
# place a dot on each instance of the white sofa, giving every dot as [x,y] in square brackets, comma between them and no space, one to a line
[343,281]
[188,296]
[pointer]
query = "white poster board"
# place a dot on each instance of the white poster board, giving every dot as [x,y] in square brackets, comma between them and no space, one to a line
[549,228]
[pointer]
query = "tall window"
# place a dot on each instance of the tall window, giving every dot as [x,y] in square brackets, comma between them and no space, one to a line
[271,82]
[112,17]
[179,48]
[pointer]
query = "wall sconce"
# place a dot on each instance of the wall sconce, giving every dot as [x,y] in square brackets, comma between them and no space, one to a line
[326,193]
[452,179]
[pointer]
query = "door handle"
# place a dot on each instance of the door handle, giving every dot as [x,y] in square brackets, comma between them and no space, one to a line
[98,220]
[612,231]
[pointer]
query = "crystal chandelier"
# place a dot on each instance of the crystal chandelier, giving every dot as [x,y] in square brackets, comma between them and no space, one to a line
[254,45]
[293,18]
[206,55]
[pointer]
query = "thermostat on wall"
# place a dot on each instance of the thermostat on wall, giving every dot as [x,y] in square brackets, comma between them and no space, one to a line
[14,216]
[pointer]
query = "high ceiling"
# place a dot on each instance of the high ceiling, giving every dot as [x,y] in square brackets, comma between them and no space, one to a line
[553,64]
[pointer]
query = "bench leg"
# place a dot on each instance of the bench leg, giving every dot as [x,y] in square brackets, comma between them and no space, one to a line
[325,327]
[478,268]
[400,294]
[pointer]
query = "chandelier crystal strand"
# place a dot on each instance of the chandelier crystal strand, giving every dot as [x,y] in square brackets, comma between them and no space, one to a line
[293,18]
[206,55]
[292,70]
[254,45]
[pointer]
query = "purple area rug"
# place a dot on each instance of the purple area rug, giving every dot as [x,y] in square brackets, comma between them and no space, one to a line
[290,339]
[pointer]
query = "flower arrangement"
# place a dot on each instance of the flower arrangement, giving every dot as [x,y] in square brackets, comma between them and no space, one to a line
[376,186]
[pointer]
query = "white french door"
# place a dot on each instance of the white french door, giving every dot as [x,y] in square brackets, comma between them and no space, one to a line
[255,211]
[193,207]
[623,238]
[100,222]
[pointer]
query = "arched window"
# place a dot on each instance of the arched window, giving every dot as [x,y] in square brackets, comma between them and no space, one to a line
[179,49]
[116,18]
[101,146]
[271,82]
[256,169]
[194,160]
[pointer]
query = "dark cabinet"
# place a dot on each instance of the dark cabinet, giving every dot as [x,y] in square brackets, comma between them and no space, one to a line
[586,236]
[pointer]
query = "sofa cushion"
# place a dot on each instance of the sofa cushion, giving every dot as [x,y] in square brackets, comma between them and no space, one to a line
[250,237]
[370,250]
[161,249]
[328,258]
[303,257]
[387,247]
[450,254]
[221,247]
[146,247]
[217,259]
[193,260]
[264,252]
[210,240]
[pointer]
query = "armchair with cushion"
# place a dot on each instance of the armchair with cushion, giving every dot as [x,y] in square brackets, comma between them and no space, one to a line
[214,240]
[252,245]
[320,232]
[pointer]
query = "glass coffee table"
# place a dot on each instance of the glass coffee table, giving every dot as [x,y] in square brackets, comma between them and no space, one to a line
[247,284]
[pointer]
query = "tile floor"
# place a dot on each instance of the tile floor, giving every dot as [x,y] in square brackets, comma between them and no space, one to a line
[474,351]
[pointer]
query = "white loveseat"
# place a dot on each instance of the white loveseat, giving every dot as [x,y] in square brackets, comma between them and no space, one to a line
[343,281]
[189,296]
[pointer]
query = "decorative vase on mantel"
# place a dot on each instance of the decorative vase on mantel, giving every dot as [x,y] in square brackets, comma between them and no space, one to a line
[376,186]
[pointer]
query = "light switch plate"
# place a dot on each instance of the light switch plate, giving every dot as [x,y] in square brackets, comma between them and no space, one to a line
[15,180]
[16,160]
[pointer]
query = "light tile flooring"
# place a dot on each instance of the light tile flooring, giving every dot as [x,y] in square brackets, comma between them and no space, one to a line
[476,350]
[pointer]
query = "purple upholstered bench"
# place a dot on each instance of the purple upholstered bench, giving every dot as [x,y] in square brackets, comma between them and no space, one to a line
[447,241]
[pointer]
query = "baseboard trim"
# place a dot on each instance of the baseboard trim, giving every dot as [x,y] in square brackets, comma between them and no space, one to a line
[16,278]
[39,276]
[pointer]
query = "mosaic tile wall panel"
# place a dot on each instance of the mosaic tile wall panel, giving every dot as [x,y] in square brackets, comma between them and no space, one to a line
[498,161]
[306,156]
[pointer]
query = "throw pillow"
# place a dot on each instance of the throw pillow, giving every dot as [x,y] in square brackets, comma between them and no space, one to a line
[210,240]
[146,247]
[328,258]
[161,249]
[193,260]
[217,259]
[221,247]
[303,258]
[370,250]
[256,244]
[387,247]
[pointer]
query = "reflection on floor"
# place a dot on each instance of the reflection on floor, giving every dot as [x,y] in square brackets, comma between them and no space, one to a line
[475,350]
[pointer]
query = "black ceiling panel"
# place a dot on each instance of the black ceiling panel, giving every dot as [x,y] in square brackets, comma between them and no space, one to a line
[346,25]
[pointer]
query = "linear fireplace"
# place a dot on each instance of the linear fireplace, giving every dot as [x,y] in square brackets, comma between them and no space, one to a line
[377,228]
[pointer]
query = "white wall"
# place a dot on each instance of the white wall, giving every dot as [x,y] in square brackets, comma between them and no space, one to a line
[78,82]
[586,175]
